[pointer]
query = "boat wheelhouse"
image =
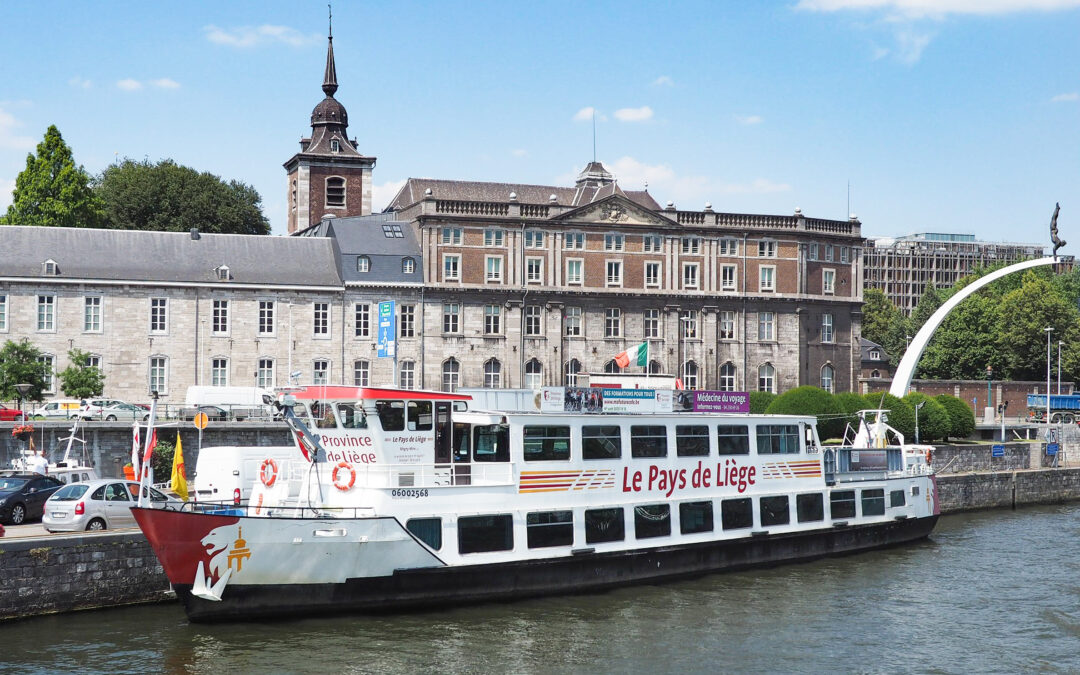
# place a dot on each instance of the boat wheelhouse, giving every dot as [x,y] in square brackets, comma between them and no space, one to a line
[405,498]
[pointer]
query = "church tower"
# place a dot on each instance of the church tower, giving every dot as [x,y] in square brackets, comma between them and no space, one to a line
[328,175]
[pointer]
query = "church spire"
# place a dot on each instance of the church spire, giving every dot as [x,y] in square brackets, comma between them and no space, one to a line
[329,85]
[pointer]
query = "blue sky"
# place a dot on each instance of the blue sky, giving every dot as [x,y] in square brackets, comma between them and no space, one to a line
[947,115]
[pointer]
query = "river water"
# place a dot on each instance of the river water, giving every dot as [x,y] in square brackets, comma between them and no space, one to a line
[996,591]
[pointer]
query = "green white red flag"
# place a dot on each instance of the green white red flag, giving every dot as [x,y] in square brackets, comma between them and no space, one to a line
[637,355]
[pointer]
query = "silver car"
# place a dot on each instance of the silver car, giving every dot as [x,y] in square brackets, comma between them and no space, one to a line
[102,504]
[114,411]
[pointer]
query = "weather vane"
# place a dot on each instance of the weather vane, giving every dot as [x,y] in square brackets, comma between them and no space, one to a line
[1058,243]
[330,10]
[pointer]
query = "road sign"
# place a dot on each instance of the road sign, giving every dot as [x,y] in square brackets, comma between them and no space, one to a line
[200,420]
[1051,448]
[387,329]
[998,451]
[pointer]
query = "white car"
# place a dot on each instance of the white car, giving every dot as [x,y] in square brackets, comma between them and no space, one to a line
[112,411]
[57,409]
[102,504]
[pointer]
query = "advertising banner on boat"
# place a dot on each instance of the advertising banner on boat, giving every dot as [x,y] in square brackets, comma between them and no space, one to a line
[712,401]
[387,329]
[598,400]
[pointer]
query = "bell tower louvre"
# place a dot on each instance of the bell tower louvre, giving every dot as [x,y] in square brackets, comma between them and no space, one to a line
[328,175]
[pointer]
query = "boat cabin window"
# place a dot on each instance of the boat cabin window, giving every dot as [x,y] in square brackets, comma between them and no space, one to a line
[896,498]
[323,414]
[427,530]
[810,508]
[648,441]
[478,534]
[692,440]
[550,528]
[300,410]
[601,442]
[351,416]
[419,415]
[695,517]
[652,520]
[733,440]
[604,525]
[777,439]
[546,443]
[491,443]
[842,504]
[774,511]
[736,513]
[873,502]
[391,415]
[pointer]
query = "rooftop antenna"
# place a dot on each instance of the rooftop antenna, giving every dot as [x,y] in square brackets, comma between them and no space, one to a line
[849,198]
[594,135]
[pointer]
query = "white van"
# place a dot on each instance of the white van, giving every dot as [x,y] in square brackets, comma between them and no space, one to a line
[227,473]
[62,409]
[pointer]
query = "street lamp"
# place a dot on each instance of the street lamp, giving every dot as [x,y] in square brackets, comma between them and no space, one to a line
[917,406]
[1048,330]
[1060,342]
[23,390]
[989,381]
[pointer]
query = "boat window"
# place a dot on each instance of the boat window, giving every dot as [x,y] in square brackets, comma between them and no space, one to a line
[323,413]
[733,440]
[604,525]
[601,442]
[810,508]
[492,443]
[477,534]
[873,502]
[550,528]
[351,416]
[774,511]
[692,440]
[391,415]
[695,517]
[652,520]
[842,504]
[896,498]
[546,443]
[736,513]
[648,441]
[777,439]
[419,415]
[460,443]
[427,530]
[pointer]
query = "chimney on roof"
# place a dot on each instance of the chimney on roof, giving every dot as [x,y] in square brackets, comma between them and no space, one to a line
[195,233]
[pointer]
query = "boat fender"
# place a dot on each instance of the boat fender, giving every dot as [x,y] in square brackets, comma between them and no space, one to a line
[928,455]
[268,472]
[341,484]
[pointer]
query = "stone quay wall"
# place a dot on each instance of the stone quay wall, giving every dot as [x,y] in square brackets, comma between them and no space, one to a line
[1007,489]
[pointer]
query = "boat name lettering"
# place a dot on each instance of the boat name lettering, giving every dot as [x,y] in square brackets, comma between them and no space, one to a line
[406,439]
[409,494]
[346,441]
[668,480]
[350,456]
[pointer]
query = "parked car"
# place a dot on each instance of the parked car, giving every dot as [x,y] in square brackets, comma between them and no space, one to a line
[102,504]
[213,413]
[10,414]
[115,410]
[23,495]
[64,409]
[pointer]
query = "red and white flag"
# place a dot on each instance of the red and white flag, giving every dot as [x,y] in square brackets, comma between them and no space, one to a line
[149,451]
[136,448]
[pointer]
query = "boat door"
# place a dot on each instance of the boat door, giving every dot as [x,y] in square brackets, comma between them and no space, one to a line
[443,432]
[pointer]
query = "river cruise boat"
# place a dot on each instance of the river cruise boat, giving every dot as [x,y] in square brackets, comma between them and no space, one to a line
[401,499]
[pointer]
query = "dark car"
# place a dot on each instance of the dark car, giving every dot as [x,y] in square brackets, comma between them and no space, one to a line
[23,496]
[10,414]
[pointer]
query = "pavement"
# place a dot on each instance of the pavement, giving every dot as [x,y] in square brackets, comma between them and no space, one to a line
[38,530]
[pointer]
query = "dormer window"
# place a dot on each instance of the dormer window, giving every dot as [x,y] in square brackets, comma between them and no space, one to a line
[392,231]
[335,191]
[875,355]
[49,268]
[222,273]
[408,265]
[363,264]
[335,146]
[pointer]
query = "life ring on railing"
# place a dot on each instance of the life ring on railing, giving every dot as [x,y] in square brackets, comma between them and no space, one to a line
[928,457]
[344,487]
[268,478]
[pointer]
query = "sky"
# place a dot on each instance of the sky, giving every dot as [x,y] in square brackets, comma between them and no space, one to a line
[917,115]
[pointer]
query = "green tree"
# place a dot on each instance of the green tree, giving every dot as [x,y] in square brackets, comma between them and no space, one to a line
[1025,314]
[850,403]
[811,401]
[965,343]
[961,416]
[20,364]
[884,324]
[933,418]
[52,191]
[79,379]
[170,197]
[760,400]
[900,416]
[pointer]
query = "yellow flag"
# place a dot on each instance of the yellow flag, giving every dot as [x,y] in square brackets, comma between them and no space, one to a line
[178,484]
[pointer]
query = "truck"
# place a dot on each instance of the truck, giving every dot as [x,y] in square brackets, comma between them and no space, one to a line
[1064,408]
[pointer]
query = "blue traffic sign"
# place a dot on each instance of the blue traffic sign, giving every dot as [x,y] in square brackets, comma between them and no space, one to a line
[387,329]
[1051,448]
[998,451]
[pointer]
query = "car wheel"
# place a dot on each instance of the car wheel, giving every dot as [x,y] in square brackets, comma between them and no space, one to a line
[95,525]
[145,417]
[110,418]
[18,514]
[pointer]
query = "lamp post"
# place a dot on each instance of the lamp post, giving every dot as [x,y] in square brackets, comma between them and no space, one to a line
[1060,342]
[23,390]
[989,382]
[917,406]
[1048,330]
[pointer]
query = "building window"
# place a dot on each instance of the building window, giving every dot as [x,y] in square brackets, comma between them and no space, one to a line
[266,317]
[46,312]
[612,367]
[613,322]
[159,315]
[362,320]
[875,355]
[532,320]
[3,312]
[652,275]
[844,254]
[222,273]
[335,145]
[727,277]
[826,328]
[264,374]
[690,375]
[392,231]
[408,266]
[691,245]
[534,239]
[407,321]
[690,275]
[766,328]
[811,251]
[614,273]
[159,374]
[875,374]
[727,325]
[451,374]
[533,374]
[363,264]
[827,373]
[219,372]
[689,320]
[92,314]
[573,322]
[534,270]
[729,247]
[727,376]
[320,371]
[766,378]
[335,191]
[93,361]
[767,279]
[573,272]
[322,318]
[494,269]
[451,268]
[361,373]
[48,361]
[614,242]
[451,313]
[573,368]
[652,243]
[828,281]
[220,317]
[451,236]
[493,237]
[574,241]
[50,268]
[828,252]
[407,376]
[766,249]
[492,374]
[651,324]
[492,319]
[655,368]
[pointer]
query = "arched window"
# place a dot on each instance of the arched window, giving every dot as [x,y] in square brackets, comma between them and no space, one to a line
[690,375]
[612,367]
[573,367]
[766,378]
[335,191]
[533,374]
[827,378]
[492,374]
[655,368]
[408,265]
[875,373]
[408,375]
[363,263]
[728,376]
[451,374]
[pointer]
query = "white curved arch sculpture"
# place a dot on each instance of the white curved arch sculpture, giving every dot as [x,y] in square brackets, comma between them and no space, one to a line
[906,369]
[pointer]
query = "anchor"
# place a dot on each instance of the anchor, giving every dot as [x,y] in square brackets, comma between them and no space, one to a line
[200,589]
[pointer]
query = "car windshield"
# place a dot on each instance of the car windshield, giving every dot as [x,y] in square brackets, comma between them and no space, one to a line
[69,493]
[11,484]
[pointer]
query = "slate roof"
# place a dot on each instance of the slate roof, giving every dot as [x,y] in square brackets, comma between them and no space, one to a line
[481,191]
[366,236]
[865,346]
[135,255]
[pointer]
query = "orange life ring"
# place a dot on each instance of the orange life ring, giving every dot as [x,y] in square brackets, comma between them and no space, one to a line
[344,487]
[928,457]
[268,478]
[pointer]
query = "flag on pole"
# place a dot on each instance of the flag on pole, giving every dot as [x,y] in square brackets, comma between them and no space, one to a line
[637,355]
[136,448]
[149,452]
[178,484]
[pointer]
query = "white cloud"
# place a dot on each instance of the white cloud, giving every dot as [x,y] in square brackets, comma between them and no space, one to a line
[7,188]
[585,114]
[1071,96]
[382,194]
[253,36]
[519,152]
[917,9]
[634,114]
[749,119]
[910,45]
[129,84]
[165,83]
[663,81]
[9,140]
[80,83]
